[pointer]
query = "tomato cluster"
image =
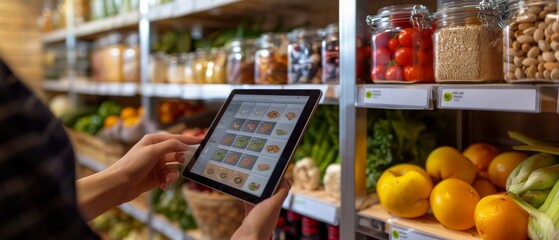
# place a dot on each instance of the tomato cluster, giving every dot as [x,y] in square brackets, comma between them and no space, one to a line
[405,55]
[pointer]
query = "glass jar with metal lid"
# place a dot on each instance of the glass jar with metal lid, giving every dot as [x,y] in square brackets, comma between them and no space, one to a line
[240,61]
[304,56]
[270,64]
[331,55]
[401,44]
[531,43]
[468,42]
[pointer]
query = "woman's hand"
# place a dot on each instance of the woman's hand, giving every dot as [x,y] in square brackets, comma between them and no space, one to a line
[260,219]
[143,167]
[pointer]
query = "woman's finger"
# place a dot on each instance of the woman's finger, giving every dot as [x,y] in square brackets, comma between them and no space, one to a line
[155,138]
[159,150]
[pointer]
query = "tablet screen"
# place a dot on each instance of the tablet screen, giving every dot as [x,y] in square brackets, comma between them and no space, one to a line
[247,142]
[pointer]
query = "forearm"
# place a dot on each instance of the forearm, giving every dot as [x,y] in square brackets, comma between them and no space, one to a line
[99,193]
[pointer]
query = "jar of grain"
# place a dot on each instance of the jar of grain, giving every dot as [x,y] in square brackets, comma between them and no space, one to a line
[200,65]
[270,64]
[175,69]
[240,62]
[112,56]
[303,56]
[402,49]
[468,42]
[531,43]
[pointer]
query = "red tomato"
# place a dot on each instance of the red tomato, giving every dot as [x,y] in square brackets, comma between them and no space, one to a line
[424,57]
[381,56]
[381,39]
[403,56]
[427,39]
[394,73]
[406,37]
[413,73]
[428,74]
[393,44]
[378,72]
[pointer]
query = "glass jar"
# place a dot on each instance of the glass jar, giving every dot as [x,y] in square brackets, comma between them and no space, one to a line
[188,59]
[131,59]
[175,69]
[531,36]
[97,59]
[402,48]
[304,56]
[240,62]
[158,67]
[270,64]
[331,55]
[468,43]
[112,58]
[200,66]
[215,71]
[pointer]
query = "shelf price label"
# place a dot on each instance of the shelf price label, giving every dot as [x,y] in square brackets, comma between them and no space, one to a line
[399,233]
[315,209]
[493,98]
[402,97]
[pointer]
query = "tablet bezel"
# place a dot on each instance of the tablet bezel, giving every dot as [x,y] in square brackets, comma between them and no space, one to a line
[283,161]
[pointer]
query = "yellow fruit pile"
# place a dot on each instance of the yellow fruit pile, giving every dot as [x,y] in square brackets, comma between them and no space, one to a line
[461,189]
[129,116]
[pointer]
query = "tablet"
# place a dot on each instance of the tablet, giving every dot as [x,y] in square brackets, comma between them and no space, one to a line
[251,141]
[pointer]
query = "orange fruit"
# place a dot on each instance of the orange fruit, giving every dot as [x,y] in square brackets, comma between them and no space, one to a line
[128,112]
[110,121]
[481,155]
[484,188]
[453,202]
[447,162]
[502,165]
[499,217]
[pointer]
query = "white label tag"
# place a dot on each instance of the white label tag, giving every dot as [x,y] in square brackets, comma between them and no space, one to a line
[403,97]
[504,99]
[398,233]
[315,209]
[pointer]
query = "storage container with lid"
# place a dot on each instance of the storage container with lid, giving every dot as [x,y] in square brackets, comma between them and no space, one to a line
[240,62]
[131,58]
[304,56]
[158,67]
[175,69]
[331,55]
[401,44]
[468,42]
[200,65]
[531,43]
[215,71]
[112,58]
[270,64]
[188,60]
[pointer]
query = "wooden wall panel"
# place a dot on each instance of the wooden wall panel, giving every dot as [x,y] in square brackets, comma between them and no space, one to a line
[20,43]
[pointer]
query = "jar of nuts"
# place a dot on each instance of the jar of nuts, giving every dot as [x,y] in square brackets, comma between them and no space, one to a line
[402,48]
[531,42]
[468,42]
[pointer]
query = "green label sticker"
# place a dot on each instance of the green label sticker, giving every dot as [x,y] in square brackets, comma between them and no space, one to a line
[368,94]
[395,234]
[447,97]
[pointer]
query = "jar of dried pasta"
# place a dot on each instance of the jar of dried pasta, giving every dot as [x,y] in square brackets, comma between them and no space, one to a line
[468,42]
[270,64]
[531,35]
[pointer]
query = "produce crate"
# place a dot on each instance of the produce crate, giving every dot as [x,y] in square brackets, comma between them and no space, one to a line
[102,151]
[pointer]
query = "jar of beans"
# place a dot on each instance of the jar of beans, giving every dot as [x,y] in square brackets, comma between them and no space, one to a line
[468,42]
[402,48]
[303,62]
[531,35]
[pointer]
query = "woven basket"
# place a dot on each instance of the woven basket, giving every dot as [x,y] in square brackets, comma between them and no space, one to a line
[217,215]
[102,151]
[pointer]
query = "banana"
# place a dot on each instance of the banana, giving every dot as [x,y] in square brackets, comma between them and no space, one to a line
[540,179]
[536,198]
[520,174]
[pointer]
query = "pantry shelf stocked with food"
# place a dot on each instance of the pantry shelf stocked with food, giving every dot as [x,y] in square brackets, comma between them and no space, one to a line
[435,115]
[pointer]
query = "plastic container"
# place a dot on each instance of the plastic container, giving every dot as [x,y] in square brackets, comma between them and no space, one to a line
[131,59]
[531,36]
[468,43]
[240,62]
[270,65]
[402,48]
[331,55]
[304,56]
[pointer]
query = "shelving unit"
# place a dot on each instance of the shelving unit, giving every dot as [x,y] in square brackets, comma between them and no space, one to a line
[353,99]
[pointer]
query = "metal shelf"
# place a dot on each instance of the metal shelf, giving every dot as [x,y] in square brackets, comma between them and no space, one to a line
[139,212]
[93,88]
[375,221]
